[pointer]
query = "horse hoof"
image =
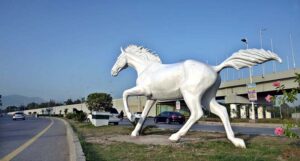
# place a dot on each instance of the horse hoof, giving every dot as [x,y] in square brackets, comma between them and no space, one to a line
[174,138]
[239,142]
[134,134]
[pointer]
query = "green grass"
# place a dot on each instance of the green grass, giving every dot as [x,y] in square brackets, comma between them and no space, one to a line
[268,121]
[211,146]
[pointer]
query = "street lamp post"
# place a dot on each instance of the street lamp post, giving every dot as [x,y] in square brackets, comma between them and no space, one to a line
[274,63]
[245,40]
[261,46]
[292,50]
[0,101]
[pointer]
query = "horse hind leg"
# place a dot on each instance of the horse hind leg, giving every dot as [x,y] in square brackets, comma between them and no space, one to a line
[193,103]
[221,111]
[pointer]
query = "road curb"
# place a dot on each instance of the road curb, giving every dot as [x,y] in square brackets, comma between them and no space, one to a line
[75,149]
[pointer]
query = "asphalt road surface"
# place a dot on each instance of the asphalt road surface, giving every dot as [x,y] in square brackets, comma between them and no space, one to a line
[209,128]
[45,139]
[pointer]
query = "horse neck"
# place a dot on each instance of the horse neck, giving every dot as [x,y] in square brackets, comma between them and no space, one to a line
[138,64]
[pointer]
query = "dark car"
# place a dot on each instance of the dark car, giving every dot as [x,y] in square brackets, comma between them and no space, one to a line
[169,117]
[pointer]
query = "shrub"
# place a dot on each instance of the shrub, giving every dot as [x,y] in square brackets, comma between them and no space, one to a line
[80,116]
[70,115]
[288,130]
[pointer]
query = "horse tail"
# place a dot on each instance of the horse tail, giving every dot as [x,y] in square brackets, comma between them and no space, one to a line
[247,58]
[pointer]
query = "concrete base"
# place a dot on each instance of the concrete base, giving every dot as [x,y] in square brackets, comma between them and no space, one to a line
[296,116]
[233,111]
[260,112]
[243,112]
[99,122]
[268,114]
[100,118]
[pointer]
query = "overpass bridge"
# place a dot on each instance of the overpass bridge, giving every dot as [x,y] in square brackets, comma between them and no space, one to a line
[233,92]
[236,91]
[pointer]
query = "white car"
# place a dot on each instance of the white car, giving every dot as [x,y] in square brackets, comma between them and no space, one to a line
[113,118]
[18,115]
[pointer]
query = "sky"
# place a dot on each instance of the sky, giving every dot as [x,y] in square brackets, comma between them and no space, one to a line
[57,49]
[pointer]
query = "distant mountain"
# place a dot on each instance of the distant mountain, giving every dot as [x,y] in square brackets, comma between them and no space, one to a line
[17,100]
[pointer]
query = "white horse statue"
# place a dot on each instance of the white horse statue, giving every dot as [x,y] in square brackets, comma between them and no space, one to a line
[194,81]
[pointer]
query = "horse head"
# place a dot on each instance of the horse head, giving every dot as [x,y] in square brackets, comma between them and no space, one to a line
[120,64]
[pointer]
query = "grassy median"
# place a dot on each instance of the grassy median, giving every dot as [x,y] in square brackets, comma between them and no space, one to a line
[98,145]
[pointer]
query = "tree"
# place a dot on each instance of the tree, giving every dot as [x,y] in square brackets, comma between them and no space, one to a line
[32,105]
[22,108]
[66,111]
[11,108]
[69,102]
[287,96]
[43,105]
[77,101]
[99,101]
[51,103]
[82,100]
[49,110]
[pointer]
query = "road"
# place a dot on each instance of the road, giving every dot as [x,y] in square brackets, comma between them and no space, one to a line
[34,139]
[210,128]
[52,145]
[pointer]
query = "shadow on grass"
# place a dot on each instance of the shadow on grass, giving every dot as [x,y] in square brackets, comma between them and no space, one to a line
[153,130]
[247,138]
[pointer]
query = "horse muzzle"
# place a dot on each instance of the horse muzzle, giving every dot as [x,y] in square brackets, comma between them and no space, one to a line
[114,73]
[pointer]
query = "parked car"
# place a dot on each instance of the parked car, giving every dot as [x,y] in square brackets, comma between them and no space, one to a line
[18,115]
[169,117]
[113,117]
[137,116]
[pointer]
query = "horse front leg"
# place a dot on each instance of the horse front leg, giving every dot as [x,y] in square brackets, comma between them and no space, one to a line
[135,91]
[138,127]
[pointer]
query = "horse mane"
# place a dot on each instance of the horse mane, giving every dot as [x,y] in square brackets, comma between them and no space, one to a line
[143,52]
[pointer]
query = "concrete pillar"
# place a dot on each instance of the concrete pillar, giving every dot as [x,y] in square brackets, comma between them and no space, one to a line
[233,111]
[260,112]
[268,114]
[252,112]
[243,112]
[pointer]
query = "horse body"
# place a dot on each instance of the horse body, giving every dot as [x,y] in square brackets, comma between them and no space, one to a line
[193,81]
[165,81]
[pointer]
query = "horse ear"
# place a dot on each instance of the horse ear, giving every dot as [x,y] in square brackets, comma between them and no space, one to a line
[122,50]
